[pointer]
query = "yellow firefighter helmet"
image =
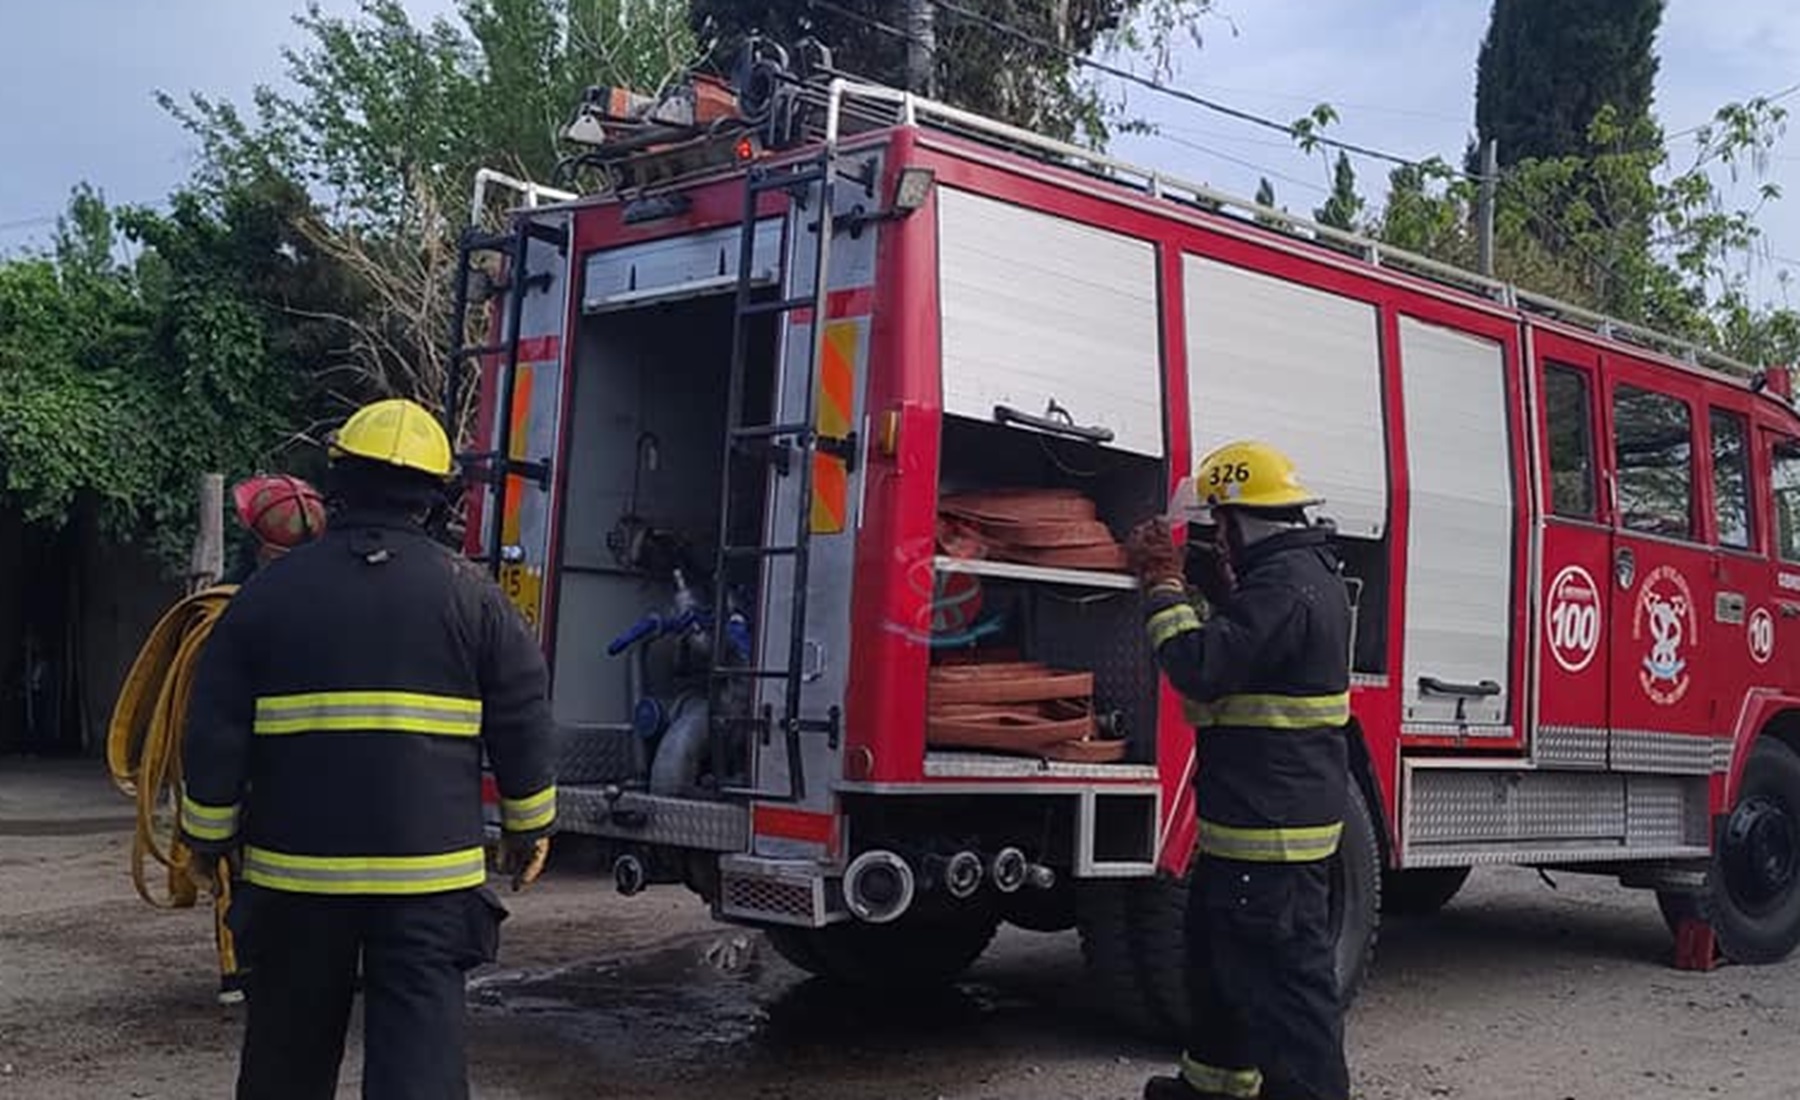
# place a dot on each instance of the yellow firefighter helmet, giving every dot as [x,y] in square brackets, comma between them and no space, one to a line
[1242,474]
[397,432]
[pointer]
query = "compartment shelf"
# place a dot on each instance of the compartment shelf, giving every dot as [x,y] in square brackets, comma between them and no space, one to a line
[1079,578]
[954,764]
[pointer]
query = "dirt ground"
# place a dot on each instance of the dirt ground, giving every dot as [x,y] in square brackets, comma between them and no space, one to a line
[1515,991]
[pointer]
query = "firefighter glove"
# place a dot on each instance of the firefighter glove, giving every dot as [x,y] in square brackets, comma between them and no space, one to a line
[522,858]
[1150,550]
[210,867]
[1210,573]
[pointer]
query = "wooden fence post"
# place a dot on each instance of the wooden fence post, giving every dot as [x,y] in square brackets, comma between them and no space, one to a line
[208,562]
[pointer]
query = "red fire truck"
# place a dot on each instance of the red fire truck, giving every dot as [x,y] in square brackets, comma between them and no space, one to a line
[734,389]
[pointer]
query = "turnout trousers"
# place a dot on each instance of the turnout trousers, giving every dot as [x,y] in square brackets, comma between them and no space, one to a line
[304,951]
[1262,975]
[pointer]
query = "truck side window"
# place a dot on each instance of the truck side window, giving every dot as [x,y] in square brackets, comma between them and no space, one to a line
[1655,462]
[1567,411]
[1731,479]
[1784,477]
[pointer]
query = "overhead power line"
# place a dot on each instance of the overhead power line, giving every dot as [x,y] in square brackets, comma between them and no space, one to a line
[28,223]
[1242,163]
[867,20]
[1548,220]
[1038,41]
[1772,97]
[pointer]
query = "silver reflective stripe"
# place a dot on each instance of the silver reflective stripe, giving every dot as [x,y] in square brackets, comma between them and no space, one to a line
[1212,1080]
[365,874]
[1281,844]
[1171,622]
[1273,711]
[205,822]
[405,712]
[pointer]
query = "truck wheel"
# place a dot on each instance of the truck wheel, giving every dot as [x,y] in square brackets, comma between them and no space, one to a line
[1051,910]
[1752,895]
[1356,895]
[1422,892]
[1101,907]
[1157,918]
[911,953]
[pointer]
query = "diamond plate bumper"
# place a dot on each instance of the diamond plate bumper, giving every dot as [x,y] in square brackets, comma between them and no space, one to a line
[653,819]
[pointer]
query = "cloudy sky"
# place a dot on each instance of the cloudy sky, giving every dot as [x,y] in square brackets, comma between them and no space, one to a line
[76,88]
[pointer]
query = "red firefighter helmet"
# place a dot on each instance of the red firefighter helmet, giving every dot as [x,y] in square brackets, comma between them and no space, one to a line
[282,511]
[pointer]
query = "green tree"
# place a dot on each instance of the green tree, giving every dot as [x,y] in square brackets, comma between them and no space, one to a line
[1343,208]
[976,64]
[1548,67]
[388,122]
[383,107]
[121,381]
[1671,255]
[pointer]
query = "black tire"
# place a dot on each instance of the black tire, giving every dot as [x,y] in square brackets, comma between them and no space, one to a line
[1101,907]
[1356,896]
[1422,892]
[1752,895]
[1156,918]
[911,953]
[1051,910]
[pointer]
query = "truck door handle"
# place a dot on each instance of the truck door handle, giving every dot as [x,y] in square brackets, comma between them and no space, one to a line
[1789,609]
[1056,421]
[1431,685]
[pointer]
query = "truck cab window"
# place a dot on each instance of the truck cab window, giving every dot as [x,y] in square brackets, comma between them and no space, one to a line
[1655,462]
[1784,478]
[1731,480]
[1567,411]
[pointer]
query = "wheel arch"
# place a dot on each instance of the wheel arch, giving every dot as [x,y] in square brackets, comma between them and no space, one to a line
[1765,714]
[1362,773]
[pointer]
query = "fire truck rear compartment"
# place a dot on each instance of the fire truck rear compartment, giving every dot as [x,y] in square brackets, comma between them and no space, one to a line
[645,448]
[1092,627]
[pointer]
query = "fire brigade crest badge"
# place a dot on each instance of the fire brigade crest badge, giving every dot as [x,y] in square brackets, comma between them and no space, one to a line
[1665,620]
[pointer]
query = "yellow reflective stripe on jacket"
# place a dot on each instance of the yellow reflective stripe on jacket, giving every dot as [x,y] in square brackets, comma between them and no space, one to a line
[1291,844]
[431,874]
[1244,1083]
[1171,622]
[1272,712]
[204,822]
[392,711]
[524,815]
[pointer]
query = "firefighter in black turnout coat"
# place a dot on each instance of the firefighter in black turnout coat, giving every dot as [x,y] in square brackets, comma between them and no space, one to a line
[334,752]
[1264,679]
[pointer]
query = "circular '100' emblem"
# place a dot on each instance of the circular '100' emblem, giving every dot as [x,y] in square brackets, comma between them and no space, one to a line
[1572,623]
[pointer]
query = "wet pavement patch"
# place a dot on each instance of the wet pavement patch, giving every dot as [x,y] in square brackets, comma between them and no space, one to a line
[730,993]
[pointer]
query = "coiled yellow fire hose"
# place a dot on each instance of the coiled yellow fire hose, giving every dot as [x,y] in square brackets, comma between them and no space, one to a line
[143,753]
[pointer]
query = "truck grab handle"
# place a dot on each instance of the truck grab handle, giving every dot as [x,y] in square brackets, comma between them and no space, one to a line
[1433,686]
[1050,422]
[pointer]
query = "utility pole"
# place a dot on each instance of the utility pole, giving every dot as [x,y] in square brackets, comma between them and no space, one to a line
[1484,205]
[921,47]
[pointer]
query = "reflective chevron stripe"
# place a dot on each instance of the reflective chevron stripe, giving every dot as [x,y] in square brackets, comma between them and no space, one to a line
[1294,844]
[431,874]
[374,711]
[1213,1081]
[210,823]
[1274,712]
[528,814]
[1171,622]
